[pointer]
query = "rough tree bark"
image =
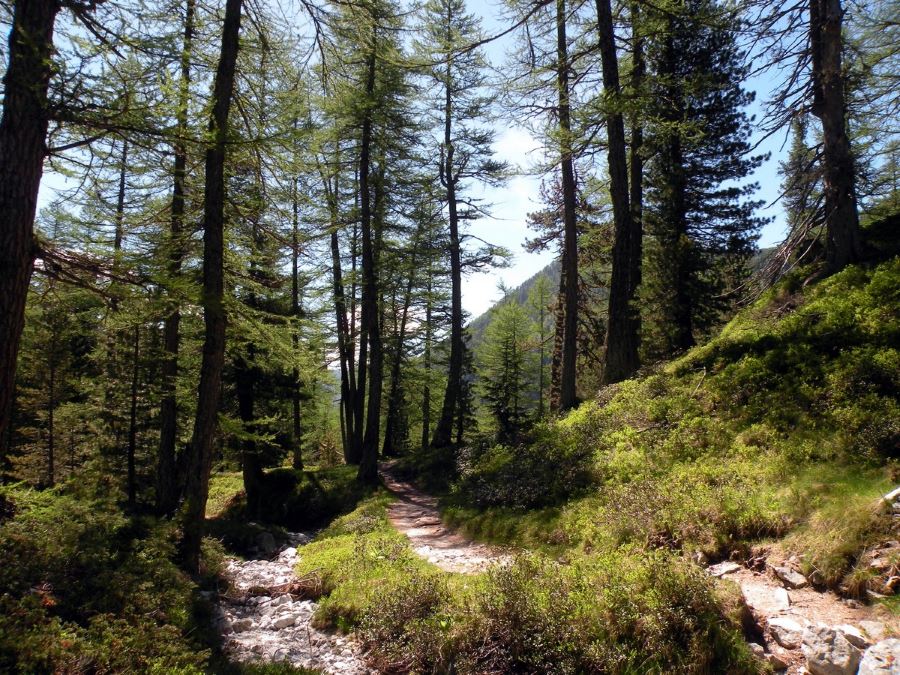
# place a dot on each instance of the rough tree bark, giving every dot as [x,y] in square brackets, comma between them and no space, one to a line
[843,244]
[23,134]
[208,392]
[369,321]
[621,352]
[567,385]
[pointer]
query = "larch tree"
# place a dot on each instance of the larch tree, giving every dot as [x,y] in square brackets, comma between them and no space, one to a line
[199,461]
[460,104]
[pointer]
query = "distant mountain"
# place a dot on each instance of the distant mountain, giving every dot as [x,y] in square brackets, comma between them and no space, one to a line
[520,293]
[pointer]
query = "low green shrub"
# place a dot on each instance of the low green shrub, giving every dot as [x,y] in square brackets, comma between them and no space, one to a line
[85,589]
[546,471]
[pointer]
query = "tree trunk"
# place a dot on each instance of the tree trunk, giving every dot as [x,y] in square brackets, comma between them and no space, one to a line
[636,167]
[132,421]
[168,482]
[843,245]
[296,430]
[621,353]
[23,134]
[51,408]
[370,322]
[201,451]
[394,397]
[444,429]
[559,330]
[251,467]
[567,386]
[426,358]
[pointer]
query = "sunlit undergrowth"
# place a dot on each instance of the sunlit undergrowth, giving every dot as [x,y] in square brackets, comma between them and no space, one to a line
[85,589]
[625,611]
[787,423]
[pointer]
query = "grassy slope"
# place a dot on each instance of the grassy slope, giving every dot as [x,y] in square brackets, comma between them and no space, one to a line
[781,428]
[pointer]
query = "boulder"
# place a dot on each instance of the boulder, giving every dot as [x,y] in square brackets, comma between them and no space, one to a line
[790,577]
[873,629]
[828,652]
[882,658]
[786,632]
[767,657]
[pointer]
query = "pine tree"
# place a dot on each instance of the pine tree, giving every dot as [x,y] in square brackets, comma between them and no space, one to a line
[700,223]
[505,368]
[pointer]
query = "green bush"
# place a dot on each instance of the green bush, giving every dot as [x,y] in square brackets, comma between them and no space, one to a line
[544,472]
[85,589]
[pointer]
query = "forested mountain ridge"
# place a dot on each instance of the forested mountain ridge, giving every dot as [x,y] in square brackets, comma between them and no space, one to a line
[245,429]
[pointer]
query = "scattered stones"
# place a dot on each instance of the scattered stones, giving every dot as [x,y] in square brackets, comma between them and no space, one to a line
[790,577]
[259,627]
[723,568]
[828,652]
[881,659]
[786,631]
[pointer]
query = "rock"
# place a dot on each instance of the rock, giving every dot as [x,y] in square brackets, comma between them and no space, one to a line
[873,629]
[241,625]
[782,598]
[281,600]
[791,578]
[723,568]
[786,632]
[776,661]
[289,552]
[892,495]
[284,621]
[828,652]
[882,659]
[854,636]
[265,542]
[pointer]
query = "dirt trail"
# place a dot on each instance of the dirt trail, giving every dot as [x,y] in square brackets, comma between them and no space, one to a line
[416,515]
[259,623]
[784,612]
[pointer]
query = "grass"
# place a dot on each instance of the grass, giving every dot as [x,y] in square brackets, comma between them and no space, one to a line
[625,611]
[782,428]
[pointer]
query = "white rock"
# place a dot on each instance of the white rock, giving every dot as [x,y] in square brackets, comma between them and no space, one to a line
[723,568]
[281,599]
[241,625]
[791,578]
[828,652]
[787,632]
[854,635]
[873,629]
[284,621]
[882,659]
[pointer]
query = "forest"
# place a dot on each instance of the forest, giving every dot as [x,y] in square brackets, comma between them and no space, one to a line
[248,425]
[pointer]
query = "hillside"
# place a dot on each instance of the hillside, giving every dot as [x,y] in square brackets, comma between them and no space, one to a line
[477,326]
